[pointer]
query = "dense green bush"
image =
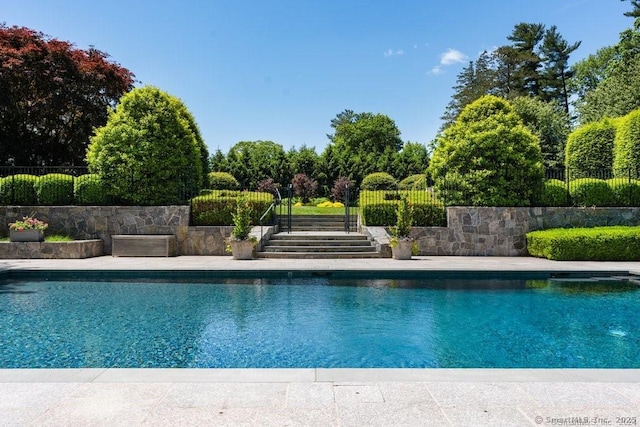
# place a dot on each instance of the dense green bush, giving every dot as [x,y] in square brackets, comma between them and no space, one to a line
[54,189]
[626,149]
[591,192]
[586,244]
[378,208]
[89,190]
[414,182]
[554,193]
[222,181]
[379,181]
[487,158]
[18,190]
[625,192]
[147,152]
[589,150]
[218,207]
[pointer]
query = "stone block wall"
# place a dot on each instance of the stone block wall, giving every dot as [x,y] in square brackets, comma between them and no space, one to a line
[101,222]
[77,249]
[501,231]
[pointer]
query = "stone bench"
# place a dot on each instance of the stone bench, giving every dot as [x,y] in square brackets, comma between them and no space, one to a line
[158,245]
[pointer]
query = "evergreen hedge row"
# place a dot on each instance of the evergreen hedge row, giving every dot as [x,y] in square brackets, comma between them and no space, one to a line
[218,207]
[586,244]
[378,208]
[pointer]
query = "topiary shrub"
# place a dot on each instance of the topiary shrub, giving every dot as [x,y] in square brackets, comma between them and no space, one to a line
[589,150]
[591,192]
[554,193]
[147,153]
[379,181]
[625,192]
[586,244]
[304,187]
[626,147]
[414,182]
[338,191]
[18,189]
[90,190]
[54,189]
[222,181]
[487,158]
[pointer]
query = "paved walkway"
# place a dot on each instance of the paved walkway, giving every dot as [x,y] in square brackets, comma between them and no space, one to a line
[342,397]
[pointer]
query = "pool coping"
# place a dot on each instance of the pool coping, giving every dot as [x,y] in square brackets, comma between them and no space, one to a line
[315,375]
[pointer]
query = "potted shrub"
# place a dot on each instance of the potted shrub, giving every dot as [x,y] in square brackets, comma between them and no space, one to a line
[240,244]
[402,246]
[29,229]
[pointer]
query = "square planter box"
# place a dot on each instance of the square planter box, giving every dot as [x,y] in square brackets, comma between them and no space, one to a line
[26,236]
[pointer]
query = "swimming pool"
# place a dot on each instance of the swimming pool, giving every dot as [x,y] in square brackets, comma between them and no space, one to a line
[297,322]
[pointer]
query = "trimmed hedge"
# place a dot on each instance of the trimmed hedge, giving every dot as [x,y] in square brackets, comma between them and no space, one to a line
[89,189]
[18,190]
[378,208]
[222,181]
[55,189]
[586,244]
[589,149]
[625,192]
[379,181]
[591,192]
[414,182]
[218,207]
[554,193]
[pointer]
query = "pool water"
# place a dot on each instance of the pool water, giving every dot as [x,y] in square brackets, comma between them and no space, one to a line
[320,322]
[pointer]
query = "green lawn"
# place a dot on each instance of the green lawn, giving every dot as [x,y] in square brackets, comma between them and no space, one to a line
[314,210]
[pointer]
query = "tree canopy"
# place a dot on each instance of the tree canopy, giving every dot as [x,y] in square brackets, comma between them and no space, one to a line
[52,96]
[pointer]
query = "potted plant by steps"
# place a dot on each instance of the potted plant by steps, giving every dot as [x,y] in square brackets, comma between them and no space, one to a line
[29,229]
[402,246]
[240,244]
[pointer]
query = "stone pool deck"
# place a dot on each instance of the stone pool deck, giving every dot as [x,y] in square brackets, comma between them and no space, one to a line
[341,397]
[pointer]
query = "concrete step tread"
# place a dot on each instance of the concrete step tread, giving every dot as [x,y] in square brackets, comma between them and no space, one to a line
[319,255]
[311,242]
[318,249]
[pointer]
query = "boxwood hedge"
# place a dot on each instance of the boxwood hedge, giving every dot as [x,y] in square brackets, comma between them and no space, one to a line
[586,244]
[378,208]
[217,207]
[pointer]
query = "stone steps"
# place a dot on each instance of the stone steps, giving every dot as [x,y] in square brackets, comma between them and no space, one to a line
[318,244]
[320,222]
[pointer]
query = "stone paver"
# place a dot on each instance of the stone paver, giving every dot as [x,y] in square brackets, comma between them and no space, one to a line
[323,397]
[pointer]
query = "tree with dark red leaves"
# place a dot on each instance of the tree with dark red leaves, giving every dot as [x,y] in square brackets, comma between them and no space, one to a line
[52,96]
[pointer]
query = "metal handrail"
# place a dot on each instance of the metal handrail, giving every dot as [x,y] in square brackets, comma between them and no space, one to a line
[271,207]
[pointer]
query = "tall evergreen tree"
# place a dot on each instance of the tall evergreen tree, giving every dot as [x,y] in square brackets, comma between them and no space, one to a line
[555,54]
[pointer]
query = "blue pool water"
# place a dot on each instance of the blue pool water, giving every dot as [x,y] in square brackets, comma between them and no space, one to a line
[320,322]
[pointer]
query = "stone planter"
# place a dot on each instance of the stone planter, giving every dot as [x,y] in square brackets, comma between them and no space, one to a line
[402,249]
[26,236]
[242,249]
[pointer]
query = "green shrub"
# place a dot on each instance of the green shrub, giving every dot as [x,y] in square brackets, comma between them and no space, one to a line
[379,181]
[54,189]
[219,207]
[589,150]
[89,190]
[414,182]
[18,190]
[377,208]
[222,181]
[147,152]
[586,244]
[487,158]
[625,192]
[626,149]
[591,192]
[554,193]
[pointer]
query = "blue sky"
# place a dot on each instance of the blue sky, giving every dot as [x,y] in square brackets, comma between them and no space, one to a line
[281,70]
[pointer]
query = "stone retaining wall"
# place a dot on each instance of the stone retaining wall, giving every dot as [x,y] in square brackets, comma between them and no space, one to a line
[101,222]
[76,249]
[501,231]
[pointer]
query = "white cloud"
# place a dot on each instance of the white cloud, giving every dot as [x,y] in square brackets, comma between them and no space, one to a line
[452,56]
[391,52]
[436,71]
